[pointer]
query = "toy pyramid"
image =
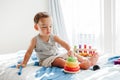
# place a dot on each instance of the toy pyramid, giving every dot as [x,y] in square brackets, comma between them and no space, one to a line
[71,65]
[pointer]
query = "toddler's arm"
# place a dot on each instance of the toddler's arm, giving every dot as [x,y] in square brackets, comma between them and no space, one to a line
[28,53]
[63,44]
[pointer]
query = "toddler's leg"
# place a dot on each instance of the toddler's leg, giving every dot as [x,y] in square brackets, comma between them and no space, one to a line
[59,62]
[85,64]
[80,59]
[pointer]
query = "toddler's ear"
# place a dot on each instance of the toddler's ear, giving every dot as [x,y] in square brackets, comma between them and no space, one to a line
[35,27]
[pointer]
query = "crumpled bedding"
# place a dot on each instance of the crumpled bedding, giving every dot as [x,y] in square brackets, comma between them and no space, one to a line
[8,70]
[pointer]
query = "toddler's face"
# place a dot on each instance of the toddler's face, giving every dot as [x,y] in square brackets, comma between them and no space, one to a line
[44,26]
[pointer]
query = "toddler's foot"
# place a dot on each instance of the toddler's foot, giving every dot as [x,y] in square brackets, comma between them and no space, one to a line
[85,64]
[93,59]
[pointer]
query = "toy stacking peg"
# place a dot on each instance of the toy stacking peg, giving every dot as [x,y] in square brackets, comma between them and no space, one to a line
[20,70]
[90,51]
[75,49]
[80,49]
[85,46]
[84,53]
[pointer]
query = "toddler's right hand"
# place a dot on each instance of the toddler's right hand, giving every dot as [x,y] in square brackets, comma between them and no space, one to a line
[70,53]
[23,65]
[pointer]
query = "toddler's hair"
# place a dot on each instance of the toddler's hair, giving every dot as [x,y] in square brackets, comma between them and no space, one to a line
[40,15]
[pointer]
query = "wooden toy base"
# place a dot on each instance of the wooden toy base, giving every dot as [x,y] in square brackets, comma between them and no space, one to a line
[71,71]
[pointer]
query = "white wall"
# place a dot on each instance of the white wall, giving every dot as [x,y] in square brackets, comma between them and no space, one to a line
[16,23]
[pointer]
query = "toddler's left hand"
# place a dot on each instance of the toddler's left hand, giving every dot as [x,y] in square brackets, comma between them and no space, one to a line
[95,54]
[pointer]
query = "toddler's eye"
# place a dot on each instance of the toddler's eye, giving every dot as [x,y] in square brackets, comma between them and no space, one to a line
[44,27]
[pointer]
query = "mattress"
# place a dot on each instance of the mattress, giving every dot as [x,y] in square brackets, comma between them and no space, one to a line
[8,70]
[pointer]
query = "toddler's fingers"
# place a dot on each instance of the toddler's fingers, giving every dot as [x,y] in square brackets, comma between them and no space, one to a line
[70,53]
[23,65]
[18,66]
[96,54]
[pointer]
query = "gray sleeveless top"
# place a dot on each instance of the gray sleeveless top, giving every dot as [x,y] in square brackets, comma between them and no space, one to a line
[45,49]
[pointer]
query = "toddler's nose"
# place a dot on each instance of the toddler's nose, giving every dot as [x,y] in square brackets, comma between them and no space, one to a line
[48,28]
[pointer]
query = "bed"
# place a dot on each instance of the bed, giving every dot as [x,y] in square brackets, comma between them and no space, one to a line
[8,70]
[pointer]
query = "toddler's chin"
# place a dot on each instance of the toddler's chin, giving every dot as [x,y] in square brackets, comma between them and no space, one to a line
[47,34]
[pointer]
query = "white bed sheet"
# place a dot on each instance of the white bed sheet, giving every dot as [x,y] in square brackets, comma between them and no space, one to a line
[107,72]
[7,73]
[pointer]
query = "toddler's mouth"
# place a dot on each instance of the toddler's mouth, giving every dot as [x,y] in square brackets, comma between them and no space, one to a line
[48,32]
